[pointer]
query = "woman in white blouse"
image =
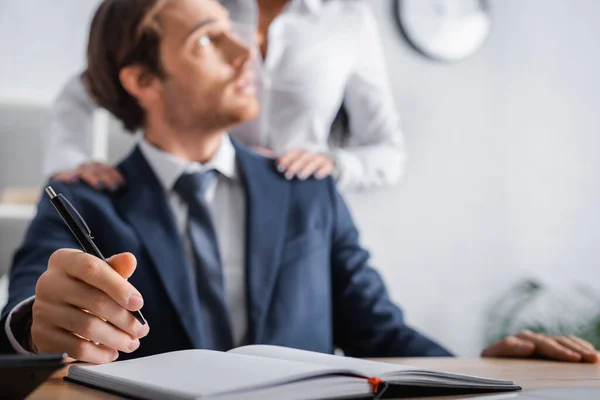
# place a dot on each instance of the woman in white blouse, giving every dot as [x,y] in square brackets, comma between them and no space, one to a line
[317,57]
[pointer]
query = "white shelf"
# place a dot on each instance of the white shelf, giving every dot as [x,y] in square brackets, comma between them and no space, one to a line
[26,101]
[17,212]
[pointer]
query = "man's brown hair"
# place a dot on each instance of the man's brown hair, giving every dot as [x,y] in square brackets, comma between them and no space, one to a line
[123,33]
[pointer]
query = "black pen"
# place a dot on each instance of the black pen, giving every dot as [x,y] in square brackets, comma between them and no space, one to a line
[80,230]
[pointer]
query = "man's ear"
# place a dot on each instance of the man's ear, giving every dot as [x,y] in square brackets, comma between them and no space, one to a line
[139,83]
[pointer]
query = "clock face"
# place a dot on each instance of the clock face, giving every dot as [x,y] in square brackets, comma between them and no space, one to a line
[445,30]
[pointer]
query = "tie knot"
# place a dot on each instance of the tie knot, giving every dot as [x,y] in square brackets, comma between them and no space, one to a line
[192,187]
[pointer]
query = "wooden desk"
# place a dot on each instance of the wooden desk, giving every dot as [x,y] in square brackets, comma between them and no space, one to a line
[530,374]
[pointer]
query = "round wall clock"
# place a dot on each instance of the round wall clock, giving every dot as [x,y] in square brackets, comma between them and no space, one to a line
[445,30]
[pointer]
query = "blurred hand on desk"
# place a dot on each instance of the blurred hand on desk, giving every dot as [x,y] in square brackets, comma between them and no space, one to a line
[530,344]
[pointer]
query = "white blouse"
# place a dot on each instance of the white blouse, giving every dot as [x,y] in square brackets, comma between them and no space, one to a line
[321,54]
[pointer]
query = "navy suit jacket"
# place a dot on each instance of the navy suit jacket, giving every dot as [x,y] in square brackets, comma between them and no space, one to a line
[309,285]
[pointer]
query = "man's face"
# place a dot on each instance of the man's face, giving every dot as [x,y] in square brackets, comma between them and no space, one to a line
[208,81]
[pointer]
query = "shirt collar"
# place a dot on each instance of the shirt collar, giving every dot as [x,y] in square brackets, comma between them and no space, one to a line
[168,168]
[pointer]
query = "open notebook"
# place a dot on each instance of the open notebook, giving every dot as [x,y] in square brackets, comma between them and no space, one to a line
[270,372]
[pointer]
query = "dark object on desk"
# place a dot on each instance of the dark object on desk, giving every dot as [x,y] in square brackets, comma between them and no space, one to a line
[81,231]
[20,375]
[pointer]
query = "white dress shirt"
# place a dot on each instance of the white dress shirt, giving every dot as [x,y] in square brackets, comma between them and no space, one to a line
[321,54]
[227,202]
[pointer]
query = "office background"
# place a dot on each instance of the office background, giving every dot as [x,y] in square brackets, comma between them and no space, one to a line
[503,175]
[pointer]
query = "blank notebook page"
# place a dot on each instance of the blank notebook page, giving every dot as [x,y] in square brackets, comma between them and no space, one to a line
[201,372]
[364,367]
[389,372]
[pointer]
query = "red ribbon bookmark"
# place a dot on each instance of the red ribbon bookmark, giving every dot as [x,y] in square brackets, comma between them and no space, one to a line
[375,383]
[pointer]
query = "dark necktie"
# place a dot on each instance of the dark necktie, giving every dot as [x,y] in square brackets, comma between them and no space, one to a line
[209,275]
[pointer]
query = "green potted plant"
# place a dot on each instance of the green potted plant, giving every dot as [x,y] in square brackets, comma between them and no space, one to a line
[534,306]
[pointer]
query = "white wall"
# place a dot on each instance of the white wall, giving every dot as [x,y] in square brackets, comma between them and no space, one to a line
[503,175]
[503,178]
[42,44]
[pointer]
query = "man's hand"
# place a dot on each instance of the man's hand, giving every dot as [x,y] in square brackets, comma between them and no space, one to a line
[303,164]
[80,301]
[529,344]
[101,176]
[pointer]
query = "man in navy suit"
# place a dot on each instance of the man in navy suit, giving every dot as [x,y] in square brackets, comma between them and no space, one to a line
[225,251]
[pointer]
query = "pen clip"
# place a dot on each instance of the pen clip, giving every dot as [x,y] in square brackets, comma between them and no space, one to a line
[77,217]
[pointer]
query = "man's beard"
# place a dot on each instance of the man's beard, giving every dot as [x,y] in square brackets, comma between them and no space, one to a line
[183,111]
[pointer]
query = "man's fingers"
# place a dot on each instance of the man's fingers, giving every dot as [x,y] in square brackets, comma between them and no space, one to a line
[587,354]
[88,326]
[510,347]
[124,264]
[55,340]
[548,347]
[83,296]
[98,274]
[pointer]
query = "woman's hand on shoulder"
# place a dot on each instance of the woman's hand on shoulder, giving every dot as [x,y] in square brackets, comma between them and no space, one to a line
[303,164]
[98,175]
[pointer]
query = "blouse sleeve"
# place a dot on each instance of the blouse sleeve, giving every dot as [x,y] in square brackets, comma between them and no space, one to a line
[67,141]
[375,153]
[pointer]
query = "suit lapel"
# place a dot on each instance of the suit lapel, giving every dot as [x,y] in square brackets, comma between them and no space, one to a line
[144,206]
[267,205]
